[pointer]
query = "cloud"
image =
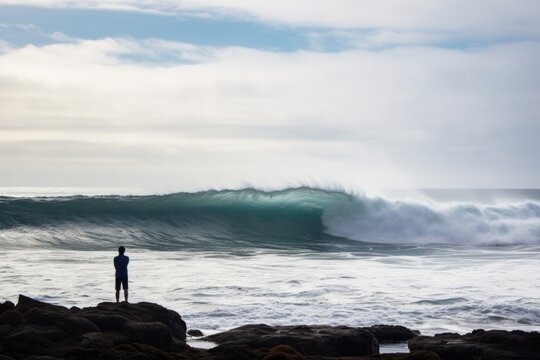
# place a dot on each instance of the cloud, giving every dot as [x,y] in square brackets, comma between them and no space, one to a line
[485,17]
[213,116]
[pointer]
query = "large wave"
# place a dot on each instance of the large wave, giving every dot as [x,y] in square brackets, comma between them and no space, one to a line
[234,219]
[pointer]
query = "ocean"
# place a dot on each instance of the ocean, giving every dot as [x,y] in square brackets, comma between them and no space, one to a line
[432,260]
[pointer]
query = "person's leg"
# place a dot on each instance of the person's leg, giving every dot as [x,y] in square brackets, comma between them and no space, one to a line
[117,288]
[125,287]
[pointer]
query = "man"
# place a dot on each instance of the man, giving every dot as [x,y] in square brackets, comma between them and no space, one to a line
[120,264]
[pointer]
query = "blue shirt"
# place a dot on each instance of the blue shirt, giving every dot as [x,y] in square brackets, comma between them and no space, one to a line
[120,264]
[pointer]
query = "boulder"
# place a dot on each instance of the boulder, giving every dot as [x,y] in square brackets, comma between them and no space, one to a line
[308,340]
[195,332]
[11,317]
[76,326]
[25,303]
[44,316]
[33,328]
[482,345]
[156,334]
[392,333]
[96,340]
[5,306]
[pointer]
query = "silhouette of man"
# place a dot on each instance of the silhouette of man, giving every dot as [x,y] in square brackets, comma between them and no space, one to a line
[120,264]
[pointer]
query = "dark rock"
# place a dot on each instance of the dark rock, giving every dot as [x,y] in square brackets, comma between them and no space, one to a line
[420,355]
[44,316]
[482,345]
[392,333]
[283,352]
[308,340]
[233,352]
[195,332]
[96,340]
[25,303]
[33,328]
[152,333]
[76,326]
[32,341]
[4,357]
[5,306]
[11,317]
[140,312]
[107,322]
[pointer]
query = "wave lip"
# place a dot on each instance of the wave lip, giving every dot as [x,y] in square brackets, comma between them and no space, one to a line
[407,222]
[252,218]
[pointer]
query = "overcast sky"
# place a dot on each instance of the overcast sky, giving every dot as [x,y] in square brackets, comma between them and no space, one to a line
[176,95]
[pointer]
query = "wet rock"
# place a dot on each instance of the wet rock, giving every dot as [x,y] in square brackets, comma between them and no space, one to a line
[308,340]
[392,333]
[195,332]
[482,345]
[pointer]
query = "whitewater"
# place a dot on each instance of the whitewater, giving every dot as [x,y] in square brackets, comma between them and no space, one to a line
[436,261]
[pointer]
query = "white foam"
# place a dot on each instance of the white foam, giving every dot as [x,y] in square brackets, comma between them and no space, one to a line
[375,219]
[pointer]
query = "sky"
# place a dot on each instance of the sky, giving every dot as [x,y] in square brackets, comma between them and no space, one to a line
[181,95]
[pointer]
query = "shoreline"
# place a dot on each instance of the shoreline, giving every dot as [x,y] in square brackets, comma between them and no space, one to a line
[150,331]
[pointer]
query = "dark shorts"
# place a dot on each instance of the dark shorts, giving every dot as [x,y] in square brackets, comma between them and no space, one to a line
[123,281]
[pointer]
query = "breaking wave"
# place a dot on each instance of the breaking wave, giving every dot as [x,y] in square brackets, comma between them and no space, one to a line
[296,217]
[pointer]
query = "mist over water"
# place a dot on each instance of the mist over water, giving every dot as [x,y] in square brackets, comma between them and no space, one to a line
[434,260]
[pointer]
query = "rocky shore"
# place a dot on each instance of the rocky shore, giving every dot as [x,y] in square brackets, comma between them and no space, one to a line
[36,330]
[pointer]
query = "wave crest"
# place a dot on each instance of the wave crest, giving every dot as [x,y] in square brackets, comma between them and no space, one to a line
[234,219]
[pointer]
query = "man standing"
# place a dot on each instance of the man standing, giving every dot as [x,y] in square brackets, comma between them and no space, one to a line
[120,264]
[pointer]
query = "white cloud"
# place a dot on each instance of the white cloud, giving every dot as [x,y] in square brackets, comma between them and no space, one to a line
[93,110]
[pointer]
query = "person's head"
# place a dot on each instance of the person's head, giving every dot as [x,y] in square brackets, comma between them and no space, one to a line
[121,250]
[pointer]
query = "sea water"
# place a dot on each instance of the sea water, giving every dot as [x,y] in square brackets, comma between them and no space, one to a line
[436,261]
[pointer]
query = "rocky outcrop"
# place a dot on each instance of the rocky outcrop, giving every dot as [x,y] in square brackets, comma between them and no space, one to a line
[482,345]
[40,329]
[392,333]
[36,330]
[308,340]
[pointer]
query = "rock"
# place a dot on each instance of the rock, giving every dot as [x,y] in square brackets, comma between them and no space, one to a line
[195,332]
[25,303]
[308,340]
[44,316]
[140,312]
[283,352]
[11,317]
[107,322]
[482,345]
[233,352]
[33,341]
[33,328]
[76,326]
[96,340]
[156,334]
[392,333]
[5,306]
